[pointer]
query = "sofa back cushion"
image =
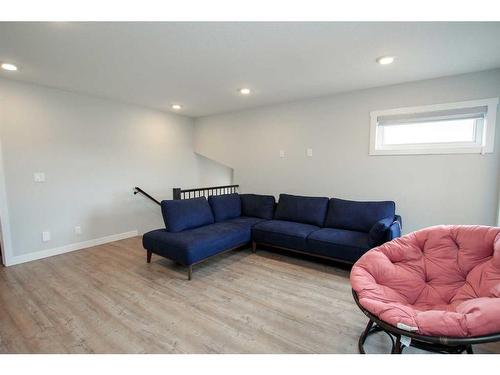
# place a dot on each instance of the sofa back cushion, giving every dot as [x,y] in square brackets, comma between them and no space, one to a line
[307,210]
[261,206]
[183,214]
[358,216]
[225,207]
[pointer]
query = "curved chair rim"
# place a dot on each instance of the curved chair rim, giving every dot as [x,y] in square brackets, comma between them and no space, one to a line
[443,340]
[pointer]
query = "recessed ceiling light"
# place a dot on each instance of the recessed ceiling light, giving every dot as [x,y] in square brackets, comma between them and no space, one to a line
[385,60]
[245,91]
[176,106]
[9,67]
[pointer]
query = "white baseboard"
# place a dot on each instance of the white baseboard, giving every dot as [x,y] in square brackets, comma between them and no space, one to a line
[17,259]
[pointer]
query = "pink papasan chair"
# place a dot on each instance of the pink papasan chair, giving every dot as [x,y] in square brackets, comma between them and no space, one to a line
[437,289]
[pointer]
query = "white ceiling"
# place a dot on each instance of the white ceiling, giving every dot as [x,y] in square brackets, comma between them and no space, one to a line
[201,65]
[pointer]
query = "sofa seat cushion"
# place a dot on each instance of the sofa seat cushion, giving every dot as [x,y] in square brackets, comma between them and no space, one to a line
[183,214]
[357,216]
[191,246]
[255,205]
[226,206]
[340,244]
[282,233]
[307,210]
[246,221]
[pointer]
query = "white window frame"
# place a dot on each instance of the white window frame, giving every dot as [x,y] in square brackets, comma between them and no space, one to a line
[484,141]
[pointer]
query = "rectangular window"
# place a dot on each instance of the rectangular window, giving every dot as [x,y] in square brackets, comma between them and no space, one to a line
[465,127]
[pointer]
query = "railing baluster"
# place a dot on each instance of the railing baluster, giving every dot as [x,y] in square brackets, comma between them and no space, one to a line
[204,192]
[178,193]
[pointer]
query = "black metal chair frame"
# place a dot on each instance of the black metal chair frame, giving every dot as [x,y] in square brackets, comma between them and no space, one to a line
[435,344]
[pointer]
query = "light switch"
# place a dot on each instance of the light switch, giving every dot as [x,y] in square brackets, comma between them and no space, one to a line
[78,229]
[39,177]
[45,236]
[282,153]
[309,152]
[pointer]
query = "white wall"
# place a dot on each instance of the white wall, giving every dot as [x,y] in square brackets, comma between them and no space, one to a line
[93,152]
[212,173]
[428,189]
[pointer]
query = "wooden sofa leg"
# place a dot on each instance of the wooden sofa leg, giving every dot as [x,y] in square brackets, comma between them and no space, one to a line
[254,247]
[149,256]
[190,272]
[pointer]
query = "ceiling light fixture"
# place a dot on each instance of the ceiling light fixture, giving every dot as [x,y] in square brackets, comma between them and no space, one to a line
[385,60]
[176,107]
[245,91]
[9,67]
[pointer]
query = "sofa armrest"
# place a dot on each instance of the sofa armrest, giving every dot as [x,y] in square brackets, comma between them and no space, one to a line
[395,229]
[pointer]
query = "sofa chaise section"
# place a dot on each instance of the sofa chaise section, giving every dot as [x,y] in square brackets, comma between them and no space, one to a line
[197,229]
[195,245]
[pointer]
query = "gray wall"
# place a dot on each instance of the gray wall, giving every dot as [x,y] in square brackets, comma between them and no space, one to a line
[428,189]
[93,152]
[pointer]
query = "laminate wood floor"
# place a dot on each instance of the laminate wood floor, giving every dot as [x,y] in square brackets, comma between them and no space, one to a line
[107,299]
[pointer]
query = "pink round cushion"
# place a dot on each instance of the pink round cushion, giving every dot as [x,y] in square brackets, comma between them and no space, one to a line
[438,281]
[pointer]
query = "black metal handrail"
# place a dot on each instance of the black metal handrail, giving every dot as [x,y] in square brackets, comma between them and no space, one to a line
[179,193]
[139,190]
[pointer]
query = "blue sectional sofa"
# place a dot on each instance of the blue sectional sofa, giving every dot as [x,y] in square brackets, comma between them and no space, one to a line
[197,229]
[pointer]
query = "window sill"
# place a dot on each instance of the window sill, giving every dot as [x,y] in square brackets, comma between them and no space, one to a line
[428,151]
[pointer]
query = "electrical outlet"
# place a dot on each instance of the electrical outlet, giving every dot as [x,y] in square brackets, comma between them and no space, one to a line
[39,177]
[309,152]
[78,229]
[282,153]
[45,236]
